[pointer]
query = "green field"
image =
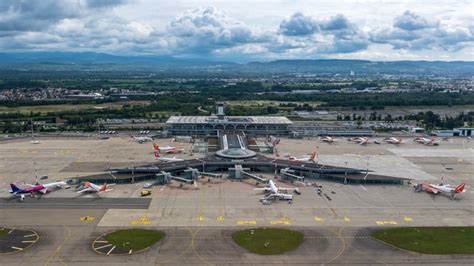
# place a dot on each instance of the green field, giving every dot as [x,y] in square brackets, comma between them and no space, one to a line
[430,240]
[68,107]
[268,241]
[3,232]
[134,239]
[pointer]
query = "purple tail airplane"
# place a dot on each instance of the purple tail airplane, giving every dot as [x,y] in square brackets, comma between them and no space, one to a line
[33,189]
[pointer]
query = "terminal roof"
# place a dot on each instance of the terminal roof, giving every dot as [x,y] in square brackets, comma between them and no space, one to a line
[228,120]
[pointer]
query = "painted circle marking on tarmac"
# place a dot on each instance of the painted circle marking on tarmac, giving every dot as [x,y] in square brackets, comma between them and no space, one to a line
[101,246]
[17,240]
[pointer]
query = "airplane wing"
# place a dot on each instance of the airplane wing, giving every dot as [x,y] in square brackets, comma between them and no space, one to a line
[286,188]
[270,196]
[85,190]
[44,191]
[260,189]
[432,190]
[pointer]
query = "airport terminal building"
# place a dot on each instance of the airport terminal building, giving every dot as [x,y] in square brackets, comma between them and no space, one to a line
[220,123]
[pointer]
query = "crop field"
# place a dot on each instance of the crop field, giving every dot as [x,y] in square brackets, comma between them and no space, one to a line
[68,107]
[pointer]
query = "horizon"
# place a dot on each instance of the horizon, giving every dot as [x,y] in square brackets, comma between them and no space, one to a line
[217,60]
[243,32]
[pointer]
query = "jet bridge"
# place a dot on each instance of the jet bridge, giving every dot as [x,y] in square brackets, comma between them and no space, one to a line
[258,178]
[288,174]
[168,176]
[238,172]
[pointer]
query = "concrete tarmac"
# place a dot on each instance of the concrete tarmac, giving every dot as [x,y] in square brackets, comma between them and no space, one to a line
[75,203]
[71,245]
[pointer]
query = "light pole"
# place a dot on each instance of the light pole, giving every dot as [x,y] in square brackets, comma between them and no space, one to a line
[36,172]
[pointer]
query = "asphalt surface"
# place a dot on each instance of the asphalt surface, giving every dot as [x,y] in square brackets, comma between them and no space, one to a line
[71,245]
[76,203]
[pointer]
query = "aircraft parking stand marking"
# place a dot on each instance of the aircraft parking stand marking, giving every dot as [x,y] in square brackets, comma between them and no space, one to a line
[220,218]
[408,219]
[284,220]
[386,222]
[318,219]
[200,218]
[143,220]
[347,219]
[87,218]
[246,222]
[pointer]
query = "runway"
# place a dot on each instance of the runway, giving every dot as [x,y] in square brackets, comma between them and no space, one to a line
[75,203]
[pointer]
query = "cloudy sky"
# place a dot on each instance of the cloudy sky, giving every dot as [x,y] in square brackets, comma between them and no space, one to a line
[244,30]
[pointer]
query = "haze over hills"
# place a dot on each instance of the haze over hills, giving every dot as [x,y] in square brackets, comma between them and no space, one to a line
[95,61]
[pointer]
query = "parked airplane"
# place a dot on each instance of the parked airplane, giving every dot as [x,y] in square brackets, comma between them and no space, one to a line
[166,149]
[328,139]
[361,140]
[310,159]
[33,189]
[93,188]
[166,159]
[393,140]
[274,192]
[141,139]
[426,141]
[441,188]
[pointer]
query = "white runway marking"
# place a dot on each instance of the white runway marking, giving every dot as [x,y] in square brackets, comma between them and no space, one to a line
[363,187]
[110,251]
[17,248]
[103,246]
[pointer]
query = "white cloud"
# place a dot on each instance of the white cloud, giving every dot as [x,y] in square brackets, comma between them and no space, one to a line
[244,29]
[413,32]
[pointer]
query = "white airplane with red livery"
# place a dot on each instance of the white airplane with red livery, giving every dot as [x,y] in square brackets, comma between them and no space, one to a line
[274,192]
[426,141]
[166,159]
[362,140]
[393,140]
[328,139]
[310,159]
[93,188]
[441,188]
[166,149]
[141,139]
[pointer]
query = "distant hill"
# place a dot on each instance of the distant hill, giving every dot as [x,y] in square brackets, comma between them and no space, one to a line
[364,66]
[82,58]
[83,61]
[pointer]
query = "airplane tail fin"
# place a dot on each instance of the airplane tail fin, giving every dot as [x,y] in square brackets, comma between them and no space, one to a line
[460,188]
[104,187]
[156,147]
[15,189]
[313,156]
